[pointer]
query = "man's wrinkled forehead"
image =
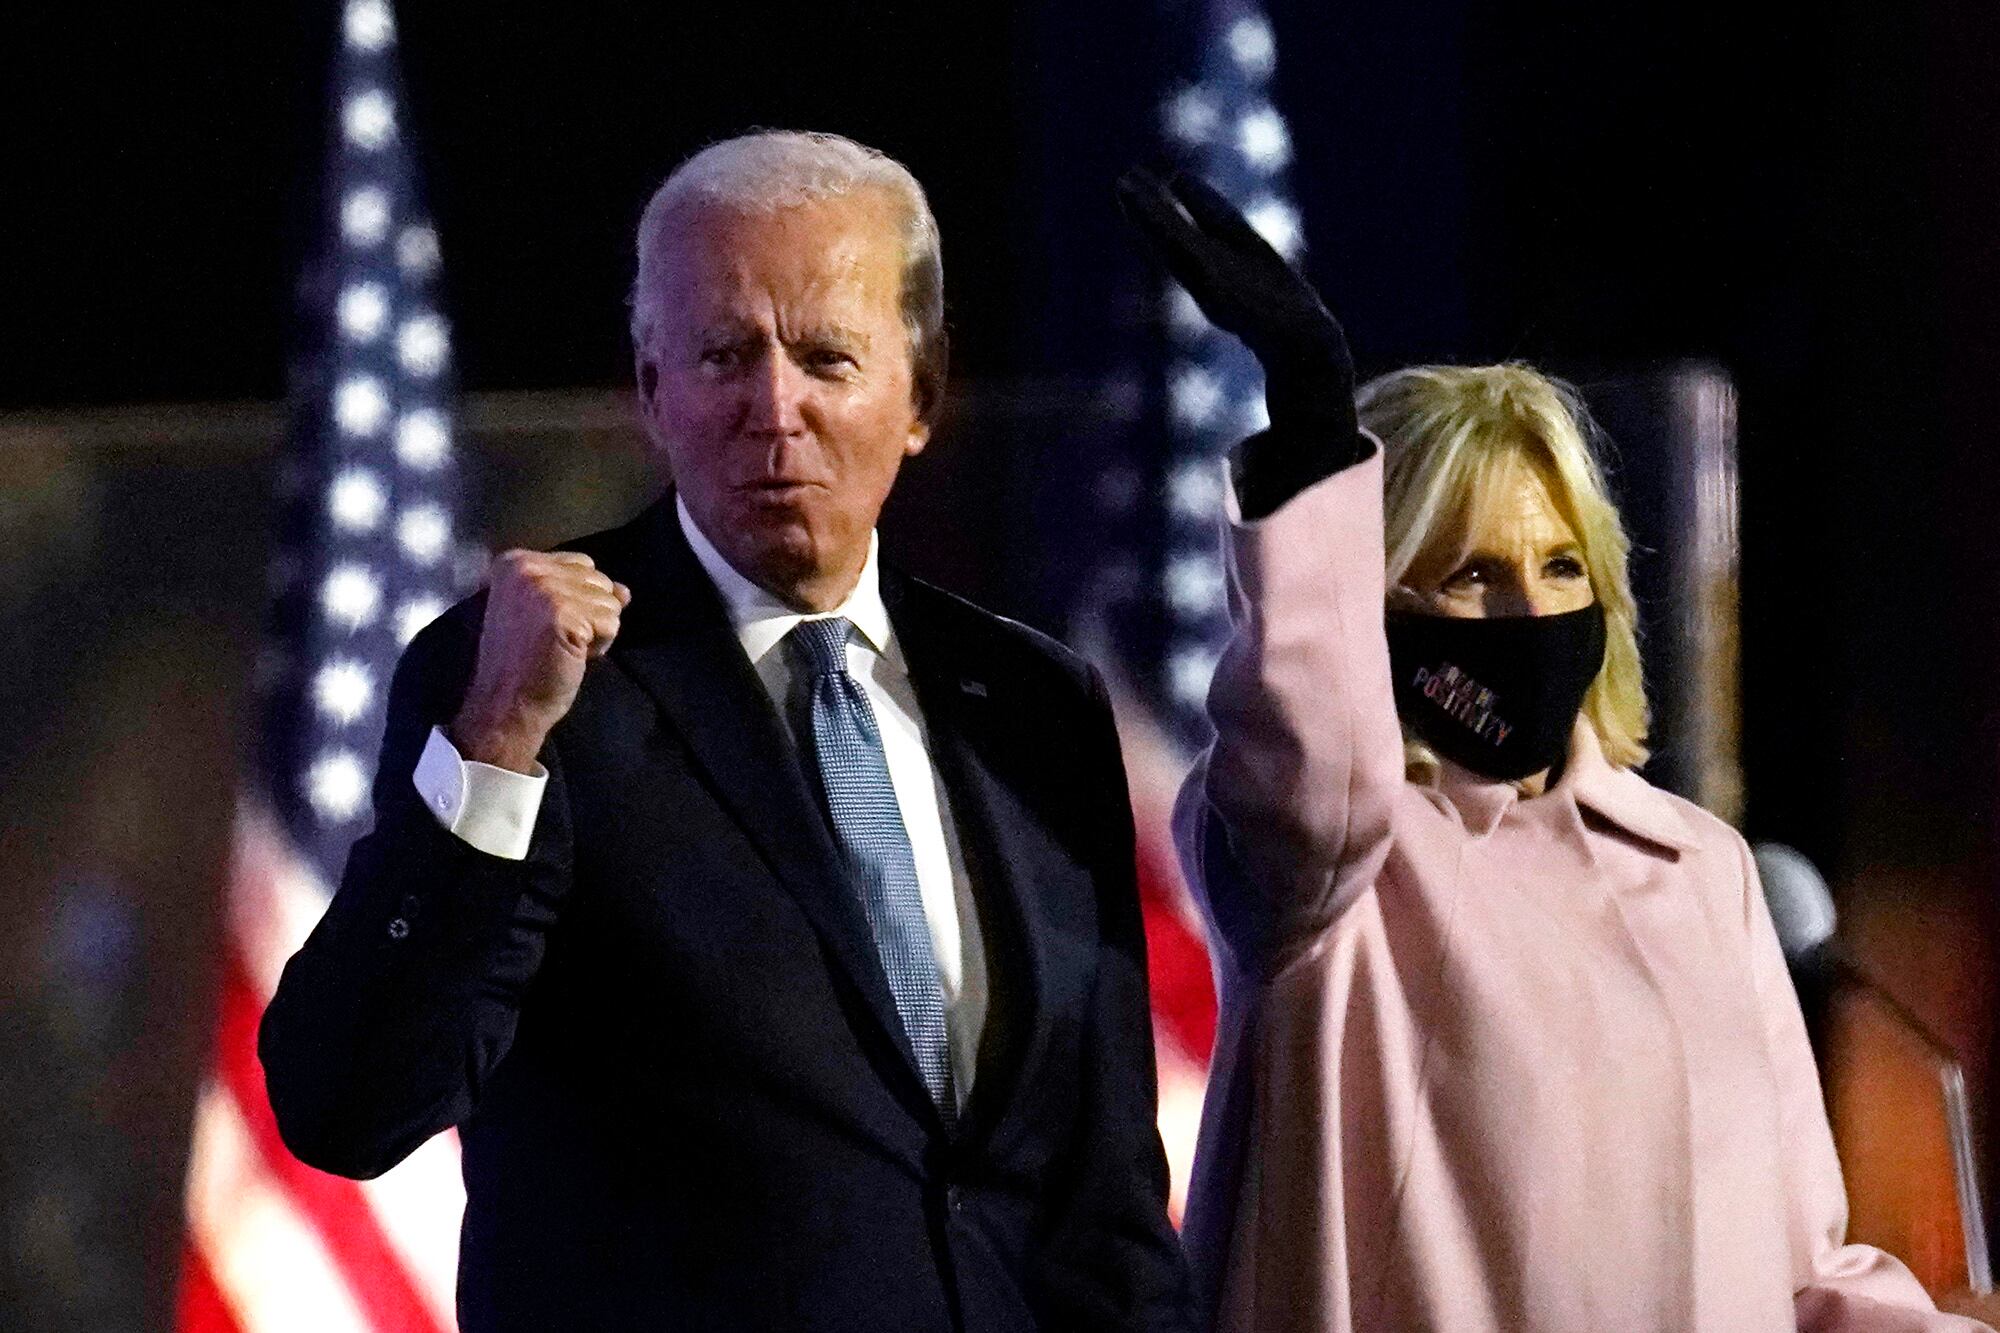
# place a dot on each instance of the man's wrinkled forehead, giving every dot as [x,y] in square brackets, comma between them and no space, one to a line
[866,218]
[840,257]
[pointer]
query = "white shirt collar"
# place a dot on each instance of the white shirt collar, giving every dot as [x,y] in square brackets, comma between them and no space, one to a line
[761,620]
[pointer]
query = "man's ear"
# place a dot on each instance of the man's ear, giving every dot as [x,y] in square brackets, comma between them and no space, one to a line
[646,371]
[926,392]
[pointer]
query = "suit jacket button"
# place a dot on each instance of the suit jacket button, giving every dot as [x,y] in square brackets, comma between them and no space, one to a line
[954,1198]
[411,904]
[398,929]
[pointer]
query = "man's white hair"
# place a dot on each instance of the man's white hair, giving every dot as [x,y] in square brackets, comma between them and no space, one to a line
[769,170]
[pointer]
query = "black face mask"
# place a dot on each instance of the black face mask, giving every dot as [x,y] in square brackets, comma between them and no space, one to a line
[1498,695]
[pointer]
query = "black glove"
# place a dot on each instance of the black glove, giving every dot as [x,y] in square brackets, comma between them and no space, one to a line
[1246,288]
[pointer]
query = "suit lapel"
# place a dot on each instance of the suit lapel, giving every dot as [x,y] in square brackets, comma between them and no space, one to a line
[677,642]
[965,711]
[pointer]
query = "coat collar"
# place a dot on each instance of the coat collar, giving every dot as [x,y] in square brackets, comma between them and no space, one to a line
[1589,782]
[760,619]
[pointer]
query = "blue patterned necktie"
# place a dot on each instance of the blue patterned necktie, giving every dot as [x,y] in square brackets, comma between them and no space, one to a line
[868,824]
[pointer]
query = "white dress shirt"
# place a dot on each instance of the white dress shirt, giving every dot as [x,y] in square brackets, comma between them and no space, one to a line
[494,809]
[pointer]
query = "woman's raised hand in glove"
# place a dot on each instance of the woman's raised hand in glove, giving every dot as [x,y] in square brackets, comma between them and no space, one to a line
[1246,288]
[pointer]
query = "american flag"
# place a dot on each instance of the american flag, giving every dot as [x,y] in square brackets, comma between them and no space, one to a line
[1221,124]
[367,555]
[1223,127]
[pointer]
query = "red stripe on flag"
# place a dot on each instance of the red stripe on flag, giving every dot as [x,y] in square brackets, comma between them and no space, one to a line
[1176,958]
[337,1208]
[201,1306]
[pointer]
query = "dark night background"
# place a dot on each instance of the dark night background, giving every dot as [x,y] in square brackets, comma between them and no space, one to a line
[1807,197]
[1809,204]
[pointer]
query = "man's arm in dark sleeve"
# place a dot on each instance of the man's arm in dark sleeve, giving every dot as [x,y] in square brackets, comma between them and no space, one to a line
[1113,1261]
[387,1022]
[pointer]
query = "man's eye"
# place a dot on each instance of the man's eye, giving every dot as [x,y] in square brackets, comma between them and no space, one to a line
[827,359]
[718,356]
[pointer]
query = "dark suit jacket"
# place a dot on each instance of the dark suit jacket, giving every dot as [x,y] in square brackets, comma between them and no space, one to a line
[684,1097]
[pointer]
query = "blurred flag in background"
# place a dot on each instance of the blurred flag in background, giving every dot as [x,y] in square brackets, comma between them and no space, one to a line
[367,554]
[1219,122]
[1223,127]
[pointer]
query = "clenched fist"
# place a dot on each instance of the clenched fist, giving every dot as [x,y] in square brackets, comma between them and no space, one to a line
[548,613]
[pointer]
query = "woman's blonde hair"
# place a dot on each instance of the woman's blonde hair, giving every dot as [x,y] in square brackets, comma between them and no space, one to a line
[1449,434]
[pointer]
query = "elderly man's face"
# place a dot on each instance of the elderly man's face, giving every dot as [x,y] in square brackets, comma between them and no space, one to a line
[779,386]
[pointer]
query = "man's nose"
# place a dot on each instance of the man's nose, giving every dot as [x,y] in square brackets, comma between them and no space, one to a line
[774,395]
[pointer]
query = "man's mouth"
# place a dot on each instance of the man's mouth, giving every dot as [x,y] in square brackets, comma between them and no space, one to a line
[777,487]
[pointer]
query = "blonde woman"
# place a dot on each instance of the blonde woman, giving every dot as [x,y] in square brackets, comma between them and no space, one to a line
[1508,1042]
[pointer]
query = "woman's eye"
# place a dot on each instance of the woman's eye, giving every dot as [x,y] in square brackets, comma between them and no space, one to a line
[1566,567]
[1469,577]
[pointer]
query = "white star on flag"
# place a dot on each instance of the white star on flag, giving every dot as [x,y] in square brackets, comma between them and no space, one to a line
[369,25]
[423,439]
[369,119]
[1188,673]
[1195,395]
[364,215]
[343,689]
[1195,488]
[363,311]
[417,251]
[424,532]
[422,345]
[351,597]
[356,500]
[359,406]
[337,785]
[1192,116]
[1252,46]
[1263,140]
[1194,584]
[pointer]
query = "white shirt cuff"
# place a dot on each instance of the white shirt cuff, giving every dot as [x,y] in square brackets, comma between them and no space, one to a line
[491,808]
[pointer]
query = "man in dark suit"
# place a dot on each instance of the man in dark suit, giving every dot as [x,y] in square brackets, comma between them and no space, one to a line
[764,919]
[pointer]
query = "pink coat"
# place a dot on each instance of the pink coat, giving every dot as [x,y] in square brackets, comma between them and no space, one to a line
[1486,1063]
